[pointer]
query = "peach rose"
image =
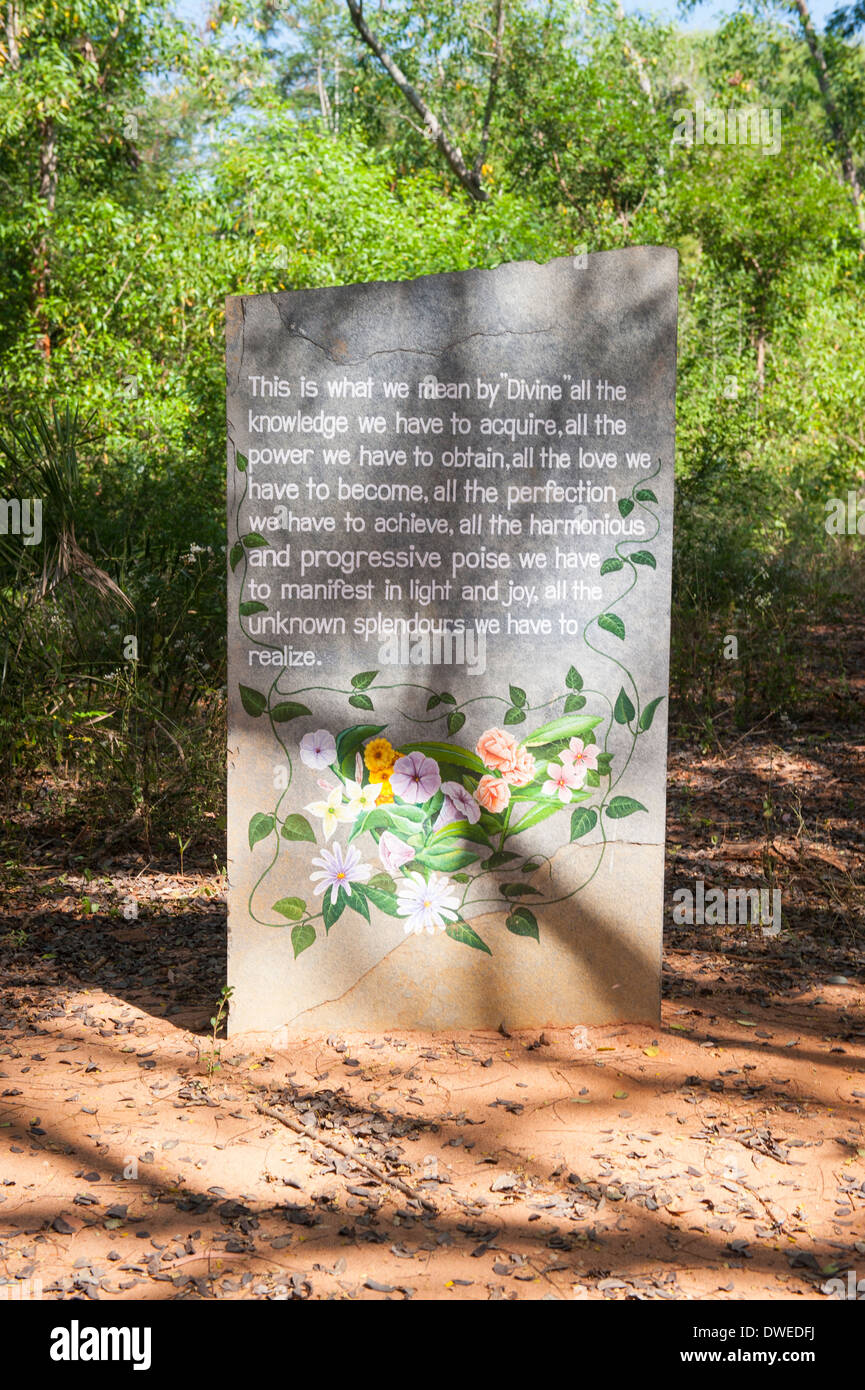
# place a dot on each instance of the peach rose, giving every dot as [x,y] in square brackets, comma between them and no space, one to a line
[522,771]
[497,750]
[493,794]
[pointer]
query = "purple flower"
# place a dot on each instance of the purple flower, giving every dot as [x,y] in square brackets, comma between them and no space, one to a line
[415,778]
[457,805]
[318,750]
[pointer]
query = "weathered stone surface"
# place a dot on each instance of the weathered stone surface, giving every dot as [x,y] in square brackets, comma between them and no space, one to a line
[491,452]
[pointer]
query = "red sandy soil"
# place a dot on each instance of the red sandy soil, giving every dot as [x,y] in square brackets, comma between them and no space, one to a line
[717,1155]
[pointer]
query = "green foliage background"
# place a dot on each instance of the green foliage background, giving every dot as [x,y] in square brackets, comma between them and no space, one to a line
[272,151]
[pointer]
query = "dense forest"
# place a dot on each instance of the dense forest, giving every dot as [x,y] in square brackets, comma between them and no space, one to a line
[148,170]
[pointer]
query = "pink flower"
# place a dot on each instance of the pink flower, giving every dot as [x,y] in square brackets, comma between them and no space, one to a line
[415,778]
[579,754]
[457,805]
[523,769]
[493,793]
[562,780]
[498,750]
[393,852]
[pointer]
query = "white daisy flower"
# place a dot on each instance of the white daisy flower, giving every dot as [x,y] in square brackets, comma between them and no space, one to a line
[339,869]
[427,905]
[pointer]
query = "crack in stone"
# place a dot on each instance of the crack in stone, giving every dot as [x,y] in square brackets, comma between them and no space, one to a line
[416,352]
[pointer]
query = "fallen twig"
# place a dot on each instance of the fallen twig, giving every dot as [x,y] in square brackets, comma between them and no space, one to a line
[377,1172]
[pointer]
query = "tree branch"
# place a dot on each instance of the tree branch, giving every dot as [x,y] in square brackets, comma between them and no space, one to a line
[470,180]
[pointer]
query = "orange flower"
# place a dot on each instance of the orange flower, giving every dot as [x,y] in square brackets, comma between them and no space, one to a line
[493,793]
[522,771]
[498,750]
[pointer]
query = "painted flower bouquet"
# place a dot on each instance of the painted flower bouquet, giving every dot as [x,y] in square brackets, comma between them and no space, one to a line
[438,816]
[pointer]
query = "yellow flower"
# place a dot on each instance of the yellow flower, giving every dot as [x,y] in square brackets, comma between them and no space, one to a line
[379,756]
[386,794]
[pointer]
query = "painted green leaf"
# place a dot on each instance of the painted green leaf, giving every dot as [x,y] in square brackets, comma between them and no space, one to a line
[456,719]
[247,609]
[297,827]
[446,860]
[648,714]
[569,726]
[514,715]
[236,555]
[410,816]
[611,622]
[522,922]
[357,900]
[604,762]
[612,564]
[501,857]
[574,702]
[292,908]
[241,461]
[348,743]
[626,506]
[383,882]
[593,779]
[622,806]
[573,680]
[519,890]
[260,826]
[643,557]
[447,753]
[461,931]
[623,710]
[361,702]
[518,695]
[532,818]
[382,898]
[645,494]
[462,830]
[363,679]
[447,699]
[253,701]
[433,702]
[253,541]
[302,936]
[331,912]
[288,709]
[584,819]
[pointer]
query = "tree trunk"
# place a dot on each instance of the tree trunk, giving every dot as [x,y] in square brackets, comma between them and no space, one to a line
[42,262]
[833,115]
